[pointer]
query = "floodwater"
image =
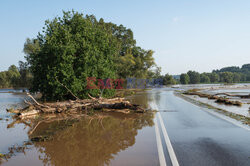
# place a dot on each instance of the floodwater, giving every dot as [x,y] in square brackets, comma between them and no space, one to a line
[237,89]
[102,139]
[240,110]
[10,134]
[122,139]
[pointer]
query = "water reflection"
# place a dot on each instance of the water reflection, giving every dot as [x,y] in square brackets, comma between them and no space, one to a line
[88,140]
[141,98]
[10,136]
[91,141]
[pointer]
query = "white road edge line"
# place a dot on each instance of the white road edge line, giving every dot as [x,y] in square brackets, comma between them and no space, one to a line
[159,145]
[168,143]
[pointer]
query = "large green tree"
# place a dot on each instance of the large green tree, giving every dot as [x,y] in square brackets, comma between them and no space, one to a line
[71,48]
[74,47]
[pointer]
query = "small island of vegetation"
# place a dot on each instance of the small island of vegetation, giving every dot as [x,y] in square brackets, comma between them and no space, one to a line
[70,50]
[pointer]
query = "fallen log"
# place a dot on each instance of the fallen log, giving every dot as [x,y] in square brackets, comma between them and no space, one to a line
[36,101]
[232,95]
[197,93]
[29,113]
[73,106]
[228,102]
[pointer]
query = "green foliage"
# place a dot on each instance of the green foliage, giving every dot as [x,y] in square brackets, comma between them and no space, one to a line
[132,61]
[13,75]
[229,69]
[184,78]
[204,78]
[168,80]
[226,77]
[72,48]
[31,47]
[236,77]
[214,77]
[243,72]
[155,73]
[25,75]
[194,77]
[4,80]
[10,78]
[245,68]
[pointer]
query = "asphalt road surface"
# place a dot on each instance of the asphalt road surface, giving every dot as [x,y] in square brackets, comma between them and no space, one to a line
[197,138]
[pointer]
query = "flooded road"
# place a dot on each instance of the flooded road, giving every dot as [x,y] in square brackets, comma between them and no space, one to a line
[196,137]
[104,139]
[200,138]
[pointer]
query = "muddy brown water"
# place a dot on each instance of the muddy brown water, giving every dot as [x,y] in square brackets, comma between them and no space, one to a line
[113,139]
[198,137]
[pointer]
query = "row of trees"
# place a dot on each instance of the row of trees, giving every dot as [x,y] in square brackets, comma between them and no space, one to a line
[193,77]
[16,76]
[243,72]
[224,75]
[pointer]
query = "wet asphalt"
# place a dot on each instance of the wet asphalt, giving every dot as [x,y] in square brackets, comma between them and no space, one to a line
[198,137]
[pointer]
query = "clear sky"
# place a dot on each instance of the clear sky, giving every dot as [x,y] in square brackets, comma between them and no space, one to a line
[186,35]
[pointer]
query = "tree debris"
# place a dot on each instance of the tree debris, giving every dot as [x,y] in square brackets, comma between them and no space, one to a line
[74,106]
[232,95]
[217,98]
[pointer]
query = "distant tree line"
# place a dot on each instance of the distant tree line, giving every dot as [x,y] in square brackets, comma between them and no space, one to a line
[225,75]
[16,77]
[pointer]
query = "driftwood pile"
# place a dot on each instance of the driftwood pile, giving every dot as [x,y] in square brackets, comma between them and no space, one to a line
[228,102]
[75,106]
[232,95]
[217,98]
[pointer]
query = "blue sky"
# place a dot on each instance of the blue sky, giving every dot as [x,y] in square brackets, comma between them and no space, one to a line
[186,35]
